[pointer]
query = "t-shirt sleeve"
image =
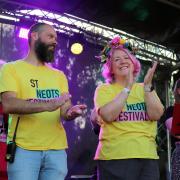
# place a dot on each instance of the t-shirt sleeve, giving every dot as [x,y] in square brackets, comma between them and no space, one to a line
[8,80]
[102,96]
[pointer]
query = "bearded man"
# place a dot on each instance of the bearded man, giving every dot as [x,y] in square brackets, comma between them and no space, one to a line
[36,97]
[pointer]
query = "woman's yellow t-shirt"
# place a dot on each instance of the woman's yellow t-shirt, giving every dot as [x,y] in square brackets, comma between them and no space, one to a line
[132,134]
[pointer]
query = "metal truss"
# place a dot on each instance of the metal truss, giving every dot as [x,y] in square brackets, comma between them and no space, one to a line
[173,3]
[20,14]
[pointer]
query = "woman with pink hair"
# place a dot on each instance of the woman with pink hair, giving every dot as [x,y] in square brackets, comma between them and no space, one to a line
[127,113]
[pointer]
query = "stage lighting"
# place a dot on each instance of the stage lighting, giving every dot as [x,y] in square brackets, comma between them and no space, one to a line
[9,18]
[76,43]
[23,33]
[76,48]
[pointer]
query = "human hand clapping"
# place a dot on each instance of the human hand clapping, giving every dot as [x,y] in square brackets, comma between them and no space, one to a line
[75,111]
[149,75]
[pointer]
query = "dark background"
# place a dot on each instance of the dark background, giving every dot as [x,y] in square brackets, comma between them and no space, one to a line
[154,20]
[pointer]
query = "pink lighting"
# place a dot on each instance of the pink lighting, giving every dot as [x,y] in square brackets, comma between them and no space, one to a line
[23,33]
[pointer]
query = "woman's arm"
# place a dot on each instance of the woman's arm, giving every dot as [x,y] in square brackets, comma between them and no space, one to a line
[111,111]
[153,105]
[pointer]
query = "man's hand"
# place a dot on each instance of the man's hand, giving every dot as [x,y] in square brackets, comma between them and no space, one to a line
[54,104]
[75,111]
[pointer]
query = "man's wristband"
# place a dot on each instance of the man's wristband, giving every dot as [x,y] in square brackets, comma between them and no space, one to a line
[126,90]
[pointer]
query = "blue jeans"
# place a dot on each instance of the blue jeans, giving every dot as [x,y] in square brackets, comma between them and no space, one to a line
[38,165]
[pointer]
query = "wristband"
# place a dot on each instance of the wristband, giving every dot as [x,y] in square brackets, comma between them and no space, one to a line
[148,88]
[126,90]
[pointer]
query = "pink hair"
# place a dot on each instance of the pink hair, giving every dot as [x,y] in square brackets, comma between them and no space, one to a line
[107,70]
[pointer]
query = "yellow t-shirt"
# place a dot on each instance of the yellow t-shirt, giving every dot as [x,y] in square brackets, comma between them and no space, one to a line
[38,131]
[131,135]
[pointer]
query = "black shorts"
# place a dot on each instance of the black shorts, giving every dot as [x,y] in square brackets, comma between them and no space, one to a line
[128,169]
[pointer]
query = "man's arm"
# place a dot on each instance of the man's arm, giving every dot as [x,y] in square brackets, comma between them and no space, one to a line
[69,112]
[13,105]
[64,109]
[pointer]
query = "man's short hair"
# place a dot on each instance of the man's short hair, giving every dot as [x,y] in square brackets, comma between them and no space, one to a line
[35,28]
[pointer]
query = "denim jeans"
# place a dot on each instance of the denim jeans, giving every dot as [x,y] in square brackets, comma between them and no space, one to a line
[38,165]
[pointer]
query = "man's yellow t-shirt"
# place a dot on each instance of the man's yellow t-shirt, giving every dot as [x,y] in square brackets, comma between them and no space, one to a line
[37,131]
[131,135]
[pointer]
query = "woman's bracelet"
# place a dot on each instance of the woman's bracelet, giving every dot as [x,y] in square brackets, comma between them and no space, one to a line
[148,88]
[126,90]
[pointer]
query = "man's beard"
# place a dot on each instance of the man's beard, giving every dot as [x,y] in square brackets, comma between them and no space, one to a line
[43,53]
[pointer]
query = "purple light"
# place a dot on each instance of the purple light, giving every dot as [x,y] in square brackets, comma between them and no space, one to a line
[23,33]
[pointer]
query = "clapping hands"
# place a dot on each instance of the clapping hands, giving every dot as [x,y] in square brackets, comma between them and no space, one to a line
[75,111]
[149,75]
[130,80]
